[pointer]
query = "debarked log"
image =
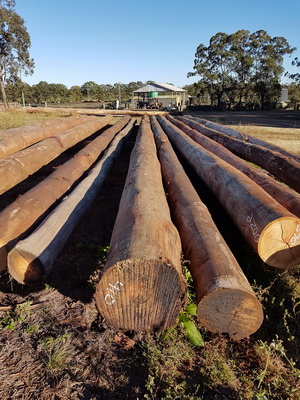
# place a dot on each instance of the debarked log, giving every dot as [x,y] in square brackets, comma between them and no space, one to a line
[18,166]
[142,286]
[268,227]
[286,169]
[16,139]
[226,302]
[286,196]
[32,259]
[22,213]
[245,137]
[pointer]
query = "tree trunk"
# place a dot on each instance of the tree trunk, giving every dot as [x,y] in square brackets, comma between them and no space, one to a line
[32,258]
[16,139]
[283,194]
[286,169]
[19,216]
[142,286]
[4,98]
[17,167]
[241,136]
[269,228]
[226,302]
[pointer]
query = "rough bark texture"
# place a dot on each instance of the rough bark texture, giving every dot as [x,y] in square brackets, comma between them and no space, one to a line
[286,169]
[269,228]
[286,196]
[142,286]
[225,299]
[242,136]
[21,214]
[32,258]
[17,167]
[16,139]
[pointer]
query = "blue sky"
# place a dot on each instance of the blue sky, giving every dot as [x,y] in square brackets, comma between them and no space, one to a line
[109,41]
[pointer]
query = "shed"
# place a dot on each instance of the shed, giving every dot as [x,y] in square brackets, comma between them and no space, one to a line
[159,95]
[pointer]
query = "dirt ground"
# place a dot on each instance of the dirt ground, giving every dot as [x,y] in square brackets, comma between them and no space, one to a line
[55,345]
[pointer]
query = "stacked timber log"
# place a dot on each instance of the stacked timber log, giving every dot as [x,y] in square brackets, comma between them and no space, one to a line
[32,258]
[226,302]
[16,139]
[269,228]
[286,169]
[242,136]
[286,196]
[142,285]
[19,216]
[18,166]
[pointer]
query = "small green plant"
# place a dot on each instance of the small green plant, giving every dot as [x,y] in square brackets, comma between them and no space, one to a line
[189,325]
[58,352]
[18,315]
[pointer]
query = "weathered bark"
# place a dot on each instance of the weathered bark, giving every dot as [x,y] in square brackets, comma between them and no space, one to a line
[17,167]
[269,228]
[21,214]
[32,258]
[286,196]
[242,136]
[286,169]
[226,302]
[142,286]
[16,139]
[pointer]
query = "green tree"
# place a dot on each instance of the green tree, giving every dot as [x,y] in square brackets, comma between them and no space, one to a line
[214,64]
[232,64]
[267,53]
[14,46]
[296,76]
[294,95]
[75,94]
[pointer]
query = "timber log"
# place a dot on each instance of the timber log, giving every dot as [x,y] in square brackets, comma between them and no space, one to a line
[142,286]
[226,302]
[268,227]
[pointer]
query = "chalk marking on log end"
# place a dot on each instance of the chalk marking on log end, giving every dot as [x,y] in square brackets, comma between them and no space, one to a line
[145,295]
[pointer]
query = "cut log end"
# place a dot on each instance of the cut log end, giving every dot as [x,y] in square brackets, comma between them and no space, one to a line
[22,270]
[234,312]
[141,295]
[279,243]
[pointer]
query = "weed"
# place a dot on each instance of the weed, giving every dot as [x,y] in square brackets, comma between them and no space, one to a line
[58,352]
[18,315]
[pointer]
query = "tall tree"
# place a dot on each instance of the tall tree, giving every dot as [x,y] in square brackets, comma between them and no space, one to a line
[14,46]
[214,64]
[233,63]
[267,53]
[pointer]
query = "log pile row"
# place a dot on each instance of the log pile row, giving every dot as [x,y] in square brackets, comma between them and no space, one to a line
[142,286]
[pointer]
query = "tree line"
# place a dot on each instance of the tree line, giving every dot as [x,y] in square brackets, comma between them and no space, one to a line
[59,93]
[240,68]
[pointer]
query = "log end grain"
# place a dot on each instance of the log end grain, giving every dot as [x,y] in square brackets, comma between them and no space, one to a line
[24,270]
[279,243]
[141,295]
[234,312]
